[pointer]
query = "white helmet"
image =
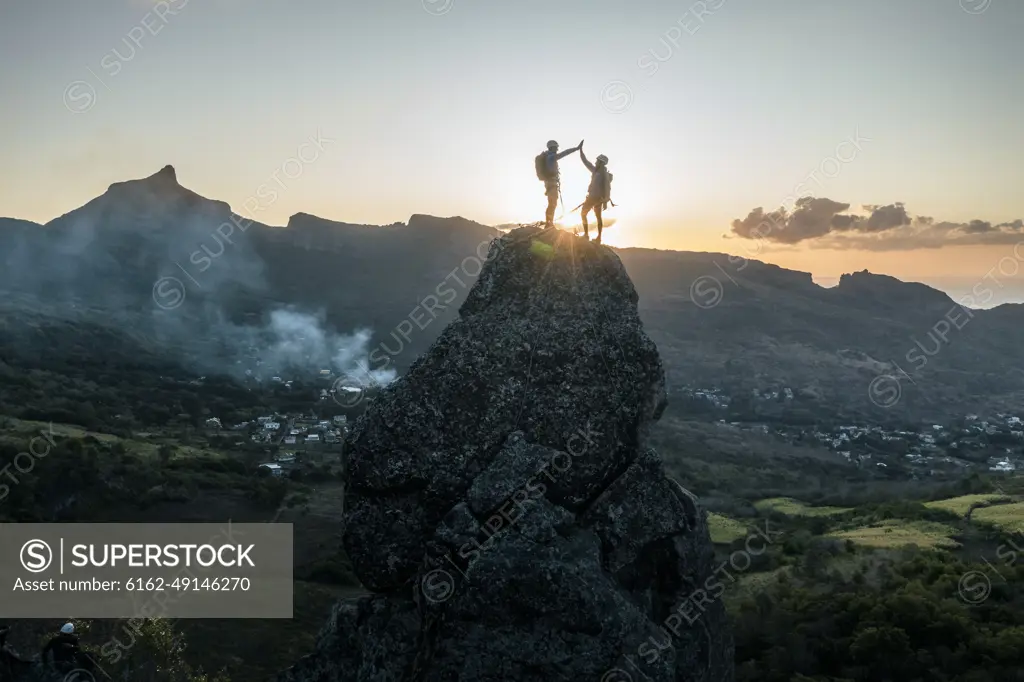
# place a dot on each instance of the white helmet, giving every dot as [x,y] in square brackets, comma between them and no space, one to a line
[68,628]
[552,144]
[602,159]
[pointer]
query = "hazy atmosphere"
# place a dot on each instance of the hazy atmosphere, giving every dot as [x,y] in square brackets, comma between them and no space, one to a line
[903,116]
[307,376]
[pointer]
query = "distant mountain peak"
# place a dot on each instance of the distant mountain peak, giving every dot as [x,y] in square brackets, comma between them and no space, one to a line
[418,223]
[163,187]
[422,220]
[166,173]
[863,276]
[307,221]
[890,290]
[163,180]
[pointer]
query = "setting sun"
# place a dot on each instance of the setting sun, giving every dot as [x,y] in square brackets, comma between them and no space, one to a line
[321,265]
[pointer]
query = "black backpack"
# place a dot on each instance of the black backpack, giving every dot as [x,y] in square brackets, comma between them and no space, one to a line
[65,650]
[541,162]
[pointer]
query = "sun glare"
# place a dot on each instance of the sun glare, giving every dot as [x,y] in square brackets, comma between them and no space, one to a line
[523,201]
[612,235]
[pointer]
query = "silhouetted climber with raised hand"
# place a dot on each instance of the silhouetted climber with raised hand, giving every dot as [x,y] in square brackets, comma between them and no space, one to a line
[547,171]
[599,194]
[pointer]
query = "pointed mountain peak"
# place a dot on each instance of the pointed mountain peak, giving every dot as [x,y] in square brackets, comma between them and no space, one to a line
[163,185]
[166,174]
[163,180]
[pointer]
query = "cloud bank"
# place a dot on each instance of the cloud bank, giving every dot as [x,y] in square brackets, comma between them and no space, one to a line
[827,224]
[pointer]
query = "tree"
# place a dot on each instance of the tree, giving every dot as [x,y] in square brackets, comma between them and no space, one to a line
[166,452]
[151,650]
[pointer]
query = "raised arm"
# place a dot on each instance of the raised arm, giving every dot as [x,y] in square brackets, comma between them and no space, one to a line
[583,158]
[567,152]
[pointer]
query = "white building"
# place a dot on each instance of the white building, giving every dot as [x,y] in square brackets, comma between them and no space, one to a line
[274,469]
[271,426]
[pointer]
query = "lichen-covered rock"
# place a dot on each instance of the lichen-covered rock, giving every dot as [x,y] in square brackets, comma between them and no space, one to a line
[641,507]
[552,347]
[510,471]
[501,501]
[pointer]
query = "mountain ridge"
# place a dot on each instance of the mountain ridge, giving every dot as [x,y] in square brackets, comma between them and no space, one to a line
[720,320]
[164,184]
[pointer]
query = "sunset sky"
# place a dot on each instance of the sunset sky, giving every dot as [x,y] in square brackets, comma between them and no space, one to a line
[707,110]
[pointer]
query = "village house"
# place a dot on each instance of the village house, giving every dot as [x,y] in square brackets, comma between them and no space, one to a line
[274,469]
